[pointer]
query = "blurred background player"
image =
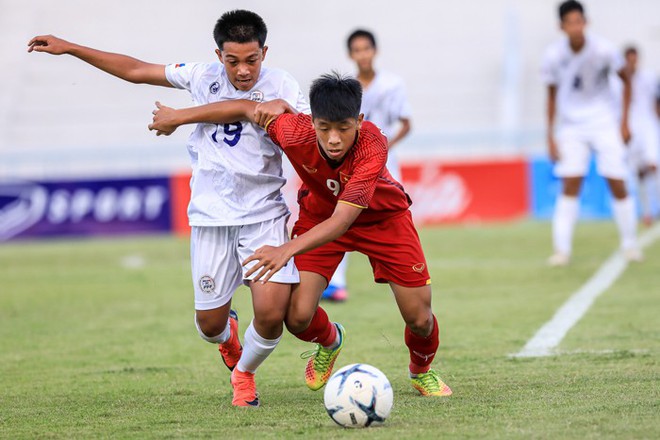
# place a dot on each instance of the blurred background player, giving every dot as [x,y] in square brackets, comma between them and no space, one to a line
[582,118]
[645,141]
[385,103]
[236,205]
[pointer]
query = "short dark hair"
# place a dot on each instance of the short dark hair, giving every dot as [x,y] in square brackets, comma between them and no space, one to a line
[335,97]
[240,26]
[361,33]
[630,50]
[570,6]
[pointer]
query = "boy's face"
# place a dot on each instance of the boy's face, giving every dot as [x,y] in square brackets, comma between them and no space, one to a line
[242,62]
[363,53]
[573,25]
[336,137]
[631,60]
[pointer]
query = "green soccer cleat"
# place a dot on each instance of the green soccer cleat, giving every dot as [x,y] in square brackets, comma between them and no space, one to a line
[321,361]
[430,384]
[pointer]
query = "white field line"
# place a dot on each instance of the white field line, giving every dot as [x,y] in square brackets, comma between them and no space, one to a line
[548,337]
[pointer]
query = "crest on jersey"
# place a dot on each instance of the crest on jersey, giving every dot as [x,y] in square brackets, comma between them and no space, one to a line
[344,177]
[419,267]
[310,170]
[207,284]
[257,96]
[213,88]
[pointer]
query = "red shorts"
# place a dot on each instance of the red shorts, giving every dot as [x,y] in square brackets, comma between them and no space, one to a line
[392,246]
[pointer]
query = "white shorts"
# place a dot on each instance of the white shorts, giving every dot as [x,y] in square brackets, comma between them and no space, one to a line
[216,254]
[644,147]
[576,144]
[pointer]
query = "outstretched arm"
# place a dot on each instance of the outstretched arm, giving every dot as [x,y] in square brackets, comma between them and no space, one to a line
[271,259]
[122,66]
[166,119]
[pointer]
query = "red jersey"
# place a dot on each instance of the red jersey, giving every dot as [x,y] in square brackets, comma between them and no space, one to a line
[360,179]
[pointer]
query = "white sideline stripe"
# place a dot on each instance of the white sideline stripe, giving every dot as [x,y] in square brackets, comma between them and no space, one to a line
[548,337]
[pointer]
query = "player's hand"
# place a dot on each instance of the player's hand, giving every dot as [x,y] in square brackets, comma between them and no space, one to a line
[553,149]
[49,44]
[164,120]
[269,260]
[625,132]
[266,111]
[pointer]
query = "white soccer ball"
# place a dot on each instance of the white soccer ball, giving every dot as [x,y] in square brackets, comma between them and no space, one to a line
[357,396]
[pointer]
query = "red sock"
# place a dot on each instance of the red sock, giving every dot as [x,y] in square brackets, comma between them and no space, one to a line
[320,330]
[422,349]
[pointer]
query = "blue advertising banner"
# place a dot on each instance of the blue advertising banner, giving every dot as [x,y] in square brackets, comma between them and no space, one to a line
[85,207]
[594,198]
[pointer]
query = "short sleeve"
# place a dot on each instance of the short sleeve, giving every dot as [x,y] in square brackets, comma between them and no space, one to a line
[291,92]
[616,60]
[549,70]
[401,108]
[288,129]
[180,74]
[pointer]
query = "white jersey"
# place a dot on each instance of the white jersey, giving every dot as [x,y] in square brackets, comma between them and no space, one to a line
[236,169]
[642,104]
[584,94]
[384,102]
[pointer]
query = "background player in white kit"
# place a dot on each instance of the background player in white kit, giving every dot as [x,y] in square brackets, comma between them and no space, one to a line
[385,103]
[236,205]
[582,118]
[645,140]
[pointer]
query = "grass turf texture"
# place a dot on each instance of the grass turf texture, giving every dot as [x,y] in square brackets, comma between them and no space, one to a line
[90,348]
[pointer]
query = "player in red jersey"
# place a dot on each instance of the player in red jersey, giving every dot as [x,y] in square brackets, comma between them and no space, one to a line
[348,202]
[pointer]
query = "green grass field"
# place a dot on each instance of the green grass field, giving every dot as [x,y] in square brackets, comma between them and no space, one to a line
[91,348]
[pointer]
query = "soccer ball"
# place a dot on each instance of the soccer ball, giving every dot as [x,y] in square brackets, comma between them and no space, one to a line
[358,396]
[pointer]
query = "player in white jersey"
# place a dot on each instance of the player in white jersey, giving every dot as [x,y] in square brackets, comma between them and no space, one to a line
[645,141]
[385,103]
[236,205]
[581,119]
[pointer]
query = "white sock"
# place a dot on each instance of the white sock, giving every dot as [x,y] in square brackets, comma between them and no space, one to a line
[219,339]
[255,350]
[337,341]
[563,223]
[626,220]
[646,193]
[339,277]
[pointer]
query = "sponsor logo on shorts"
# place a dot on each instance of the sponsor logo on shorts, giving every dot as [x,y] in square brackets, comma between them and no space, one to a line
[310,170]
[207,284]
[419,267]
[257,96]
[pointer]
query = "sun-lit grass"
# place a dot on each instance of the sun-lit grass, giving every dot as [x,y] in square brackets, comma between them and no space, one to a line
[92,347]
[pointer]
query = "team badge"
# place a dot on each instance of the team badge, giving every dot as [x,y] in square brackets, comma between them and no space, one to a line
[207,284]
[310,170]
[419,267]
[344,177]
[213,88]
[257,96]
